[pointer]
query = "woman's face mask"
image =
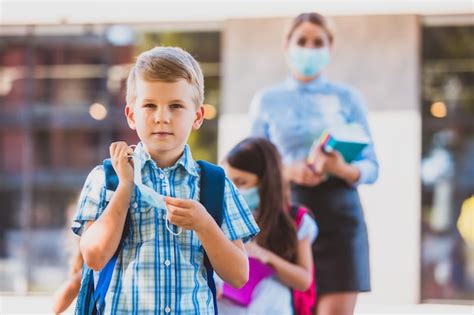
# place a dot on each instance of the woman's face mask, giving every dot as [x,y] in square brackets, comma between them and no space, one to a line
[252,197]
[308,61]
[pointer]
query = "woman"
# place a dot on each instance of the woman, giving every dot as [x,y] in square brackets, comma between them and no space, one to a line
[292,115]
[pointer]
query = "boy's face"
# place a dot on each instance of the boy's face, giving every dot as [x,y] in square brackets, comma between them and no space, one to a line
[164,115]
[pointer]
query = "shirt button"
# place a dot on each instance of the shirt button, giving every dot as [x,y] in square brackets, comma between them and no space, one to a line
[135,205]
[167,262]
[167,309]
[162,176]
[164,216]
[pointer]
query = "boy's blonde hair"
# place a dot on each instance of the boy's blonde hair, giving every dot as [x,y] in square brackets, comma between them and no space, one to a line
[167,64]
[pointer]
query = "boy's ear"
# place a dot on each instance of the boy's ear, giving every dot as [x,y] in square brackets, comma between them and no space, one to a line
[199,118]
[130,114]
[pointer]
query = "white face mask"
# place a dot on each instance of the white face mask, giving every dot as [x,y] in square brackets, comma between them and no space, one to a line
[148,195]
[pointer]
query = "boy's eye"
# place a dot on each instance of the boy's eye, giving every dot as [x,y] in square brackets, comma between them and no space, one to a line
[149,105]
[176,106]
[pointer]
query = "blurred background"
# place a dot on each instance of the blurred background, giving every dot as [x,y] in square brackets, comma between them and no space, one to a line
[63,67]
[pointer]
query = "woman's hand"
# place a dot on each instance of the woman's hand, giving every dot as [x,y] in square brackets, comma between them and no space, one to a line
[304,174]
[123,166]
[331,162]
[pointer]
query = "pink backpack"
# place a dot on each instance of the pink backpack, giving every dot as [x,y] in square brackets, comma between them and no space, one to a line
[304,302]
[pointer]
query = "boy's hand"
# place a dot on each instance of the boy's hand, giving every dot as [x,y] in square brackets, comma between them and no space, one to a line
[187,213]
[123,166]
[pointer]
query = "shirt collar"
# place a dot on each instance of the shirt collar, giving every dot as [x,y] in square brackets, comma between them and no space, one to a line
[186,160]
[314,85]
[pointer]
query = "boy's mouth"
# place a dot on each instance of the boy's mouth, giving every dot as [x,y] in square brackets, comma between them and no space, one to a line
[162,133]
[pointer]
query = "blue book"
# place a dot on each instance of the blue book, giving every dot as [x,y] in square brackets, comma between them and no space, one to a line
[349,140]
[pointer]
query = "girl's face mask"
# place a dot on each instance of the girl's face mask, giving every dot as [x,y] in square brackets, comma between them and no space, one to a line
[252,197]
[308,61]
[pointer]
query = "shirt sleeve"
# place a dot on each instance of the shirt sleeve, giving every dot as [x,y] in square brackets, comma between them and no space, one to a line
[258,125]
[91,201]
[366,162]
[238,222]
[308,229]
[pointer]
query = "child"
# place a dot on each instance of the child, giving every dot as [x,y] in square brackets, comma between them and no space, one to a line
[255,168]
[158,270]
[68,291]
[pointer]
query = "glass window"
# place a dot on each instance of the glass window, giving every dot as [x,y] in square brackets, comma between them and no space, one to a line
[447,162]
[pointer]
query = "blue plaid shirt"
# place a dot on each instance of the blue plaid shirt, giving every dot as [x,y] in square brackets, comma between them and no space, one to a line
[293,114]
[157,272]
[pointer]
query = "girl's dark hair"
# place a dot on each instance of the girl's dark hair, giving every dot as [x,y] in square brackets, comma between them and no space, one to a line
[314,18]
[277,229]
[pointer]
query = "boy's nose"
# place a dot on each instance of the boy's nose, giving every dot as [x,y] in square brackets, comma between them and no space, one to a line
[162,115]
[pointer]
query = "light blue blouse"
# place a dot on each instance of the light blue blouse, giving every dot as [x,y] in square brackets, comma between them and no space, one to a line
[292,114]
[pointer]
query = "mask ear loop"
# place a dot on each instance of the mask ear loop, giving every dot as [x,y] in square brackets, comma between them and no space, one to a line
[180,229]
[133,147]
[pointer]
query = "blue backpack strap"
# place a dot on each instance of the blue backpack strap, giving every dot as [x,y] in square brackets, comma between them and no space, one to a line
[212,189]
[212,197]
[111,183]
[111,178]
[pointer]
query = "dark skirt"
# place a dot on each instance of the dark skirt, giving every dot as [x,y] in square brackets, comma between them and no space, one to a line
[341,251]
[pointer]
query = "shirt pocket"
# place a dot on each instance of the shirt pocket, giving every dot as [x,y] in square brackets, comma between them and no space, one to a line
[142,221]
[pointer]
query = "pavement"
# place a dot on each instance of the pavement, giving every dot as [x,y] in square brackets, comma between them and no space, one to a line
[41,304]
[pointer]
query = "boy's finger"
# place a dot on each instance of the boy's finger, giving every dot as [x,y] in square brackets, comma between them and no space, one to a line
[119,152]
[176,210]
[113,149]
[122,155]
[178,220]
[179,202]
[175,220]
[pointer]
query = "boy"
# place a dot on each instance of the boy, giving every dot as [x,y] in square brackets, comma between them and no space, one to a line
[157,271]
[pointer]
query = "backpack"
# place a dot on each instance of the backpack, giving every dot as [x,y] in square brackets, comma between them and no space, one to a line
[304,302]
[91,298]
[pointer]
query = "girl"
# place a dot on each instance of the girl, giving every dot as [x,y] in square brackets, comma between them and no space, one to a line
[292,115]
[255,168]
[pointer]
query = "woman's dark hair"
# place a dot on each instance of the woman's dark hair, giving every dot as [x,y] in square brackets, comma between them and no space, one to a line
[314,18]
[277,229]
